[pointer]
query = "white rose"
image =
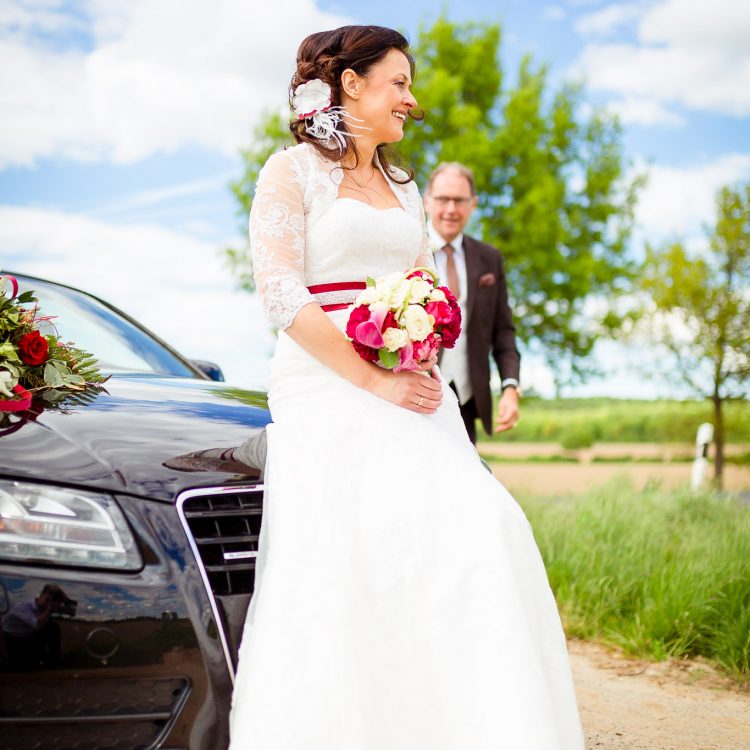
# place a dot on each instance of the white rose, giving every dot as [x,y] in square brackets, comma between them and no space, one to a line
[395,338]
[437,295]
[311,97]
[389,282]
[386,285]
[419,290]
[369,296]
[418,323]
[399,294]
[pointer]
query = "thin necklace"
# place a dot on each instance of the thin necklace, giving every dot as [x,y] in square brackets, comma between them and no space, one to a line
[365,187]
[358,183]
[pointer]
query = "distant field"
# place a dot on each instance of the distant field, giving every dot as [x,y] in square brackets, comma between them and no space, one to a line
[579,423]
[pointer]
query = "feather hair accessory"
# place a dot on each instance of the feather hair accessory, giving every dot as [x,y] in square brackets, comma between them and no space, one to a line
[312,103]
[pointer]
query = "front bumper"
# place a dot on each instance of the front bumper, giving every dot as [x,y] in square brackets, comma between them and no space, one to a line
[147,659]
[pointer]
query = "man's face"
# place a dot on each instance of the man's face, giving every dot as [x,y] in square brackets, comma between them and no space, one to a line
[450,203]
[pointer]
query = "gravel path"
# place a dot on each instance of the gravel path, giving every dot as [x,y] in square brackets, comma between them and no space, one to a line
[629,704]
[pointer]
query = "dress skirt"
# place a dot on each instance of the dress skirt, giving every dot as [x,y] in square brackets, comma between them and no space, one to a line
[401,602]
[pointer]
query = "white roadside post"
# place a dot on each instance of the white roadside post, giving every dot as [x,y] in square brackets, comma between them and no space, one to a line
[703,439]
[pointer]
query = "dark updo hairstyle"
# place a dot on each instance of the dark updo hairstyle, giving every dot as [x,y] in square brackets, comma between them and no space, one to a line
[326,55]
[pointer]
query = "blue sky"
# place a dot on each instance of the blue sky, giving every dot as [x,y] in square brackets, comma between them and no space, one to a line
[122,123]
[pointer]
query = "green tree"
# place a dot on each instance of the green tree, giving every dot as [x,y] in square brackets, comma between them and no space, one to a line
[699,308]
[552,190]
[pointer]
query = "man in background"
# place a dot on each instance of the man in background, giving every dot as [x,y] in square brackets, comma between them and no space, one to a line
[474,272]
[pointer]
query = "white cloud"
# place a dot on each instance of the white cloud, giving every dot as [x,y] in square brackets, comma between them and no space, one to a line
[160,75]
[152,197]
[606,20]
[680,201]
[689,52]
[172,283]
[645,112]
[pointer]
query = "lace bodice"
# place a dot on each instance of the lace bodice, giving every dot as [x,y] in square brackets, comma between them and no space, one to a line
[302,234]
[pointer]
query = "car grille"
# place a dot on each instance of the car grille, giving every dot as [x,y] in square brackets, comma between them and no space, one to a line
[89,713]
[225,528]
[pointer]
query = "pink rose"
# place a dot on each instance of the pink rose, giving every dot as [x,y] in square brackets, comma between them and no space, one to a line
[356,316]
[369,332]
[426,349]
[406,359]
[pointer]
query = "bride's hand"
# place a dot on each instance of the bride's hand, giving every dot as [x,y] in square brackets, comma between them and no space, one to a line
[428,364]
[411,390]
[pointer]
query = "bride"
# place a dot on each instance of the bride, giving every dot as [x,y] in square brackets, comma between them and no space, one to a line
[401,602]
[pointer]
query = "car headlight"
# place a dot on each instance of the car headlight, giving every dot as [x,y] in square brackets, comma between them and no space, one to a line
[39,523]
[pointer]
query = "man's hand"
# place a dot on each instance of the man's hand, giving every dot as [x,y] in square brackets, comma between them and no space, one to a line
[507,410]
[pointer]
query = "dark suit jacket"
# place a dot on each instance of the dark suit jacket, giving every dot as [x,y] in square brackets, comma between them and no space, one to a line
[489,323]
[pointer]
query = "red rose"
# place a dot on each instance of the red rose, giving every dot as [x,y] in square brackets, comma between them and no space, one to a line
[448,294]
[366,352]
[33,348]
[358,315]
[390,321]
[421,274]
[441,311]
[451,330]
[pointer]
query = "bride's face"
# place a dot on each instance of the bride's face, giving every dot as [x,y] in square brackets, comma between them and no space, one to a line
[381,98]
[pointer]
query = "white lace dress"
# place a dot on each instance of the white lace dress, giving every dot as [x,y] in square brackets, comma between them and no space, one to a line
[401,602]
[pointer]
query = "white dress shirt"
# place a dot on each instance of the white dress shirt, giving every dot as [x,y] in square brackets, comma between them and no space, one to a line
[454,365]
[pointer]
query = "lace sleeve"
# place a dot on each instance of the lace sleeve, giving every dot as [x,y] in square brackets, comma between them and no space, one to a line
[277,240]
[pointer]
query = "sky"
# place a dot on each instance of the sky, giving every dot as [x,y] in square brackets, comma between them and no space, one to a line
[122,122]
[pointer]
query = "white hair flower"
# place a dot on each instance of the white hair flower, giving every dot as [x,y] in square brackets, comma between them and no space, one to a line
[310,98]
[312,102]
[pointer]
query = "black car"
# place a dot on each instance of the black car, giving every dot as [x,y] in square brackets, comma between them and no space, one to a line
[129,526]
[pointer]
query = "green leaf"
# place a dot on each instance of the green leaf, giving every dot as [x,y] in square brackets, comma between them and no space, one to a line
[25,297]
[370,281]
[8,351]
[388,359]
[52,376]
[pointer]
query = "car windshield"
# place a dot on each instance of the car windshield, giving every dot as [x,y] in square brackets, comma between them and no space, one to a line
[119,346]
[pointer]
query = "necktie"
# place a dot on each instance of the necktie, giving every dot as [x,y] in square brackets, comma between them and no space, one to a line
[451,270]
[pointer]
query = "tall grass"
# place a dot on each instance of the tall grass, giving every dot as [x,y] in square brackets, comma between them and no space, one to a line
[577,423]
[656,573]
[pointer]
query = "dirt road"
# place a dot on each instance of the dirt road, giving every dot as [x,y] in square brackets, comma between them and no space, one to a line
[628,704]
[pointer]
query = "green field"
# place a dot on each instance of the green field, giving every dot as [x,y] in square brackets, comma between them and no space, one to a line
[655,573]
[578,423]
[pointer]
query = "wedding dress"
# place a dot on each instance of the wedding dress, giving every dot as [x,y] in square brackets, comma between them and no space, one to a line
[401,602]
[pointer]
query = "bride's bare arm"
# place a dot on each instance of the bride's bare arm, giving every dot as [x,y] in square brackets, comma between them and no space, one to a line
[277,244]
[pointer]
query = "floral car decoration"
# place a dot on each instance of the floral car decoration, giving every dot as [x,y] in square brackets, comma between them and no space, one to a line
[33,360]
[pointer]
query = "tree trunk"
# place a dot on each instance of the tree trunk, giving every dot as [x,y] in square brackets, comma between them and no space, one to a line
[718,439]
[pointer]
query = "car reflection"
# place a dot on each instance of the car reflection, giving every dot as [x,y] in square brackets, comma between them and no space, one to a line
[32,636]
[247,459]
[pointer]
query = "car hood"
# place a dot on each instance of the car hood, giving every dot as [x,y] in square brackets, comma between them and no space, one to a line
[139,436]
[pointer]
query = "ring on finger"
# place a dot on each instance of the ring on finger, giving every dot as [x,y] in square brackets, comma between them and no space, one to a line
[421,399]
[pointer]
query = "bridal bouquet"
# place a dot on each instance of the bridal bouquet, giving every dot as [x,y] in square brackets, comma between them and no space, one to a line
[32,358]
[402,319]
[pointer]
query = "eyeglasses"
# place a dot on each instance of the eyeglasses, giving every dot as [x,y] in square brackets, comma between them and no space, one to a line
[444,200]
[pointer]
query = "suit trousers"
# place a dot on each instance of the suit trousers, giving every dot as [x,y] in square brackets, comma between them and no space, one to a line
[469,414]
